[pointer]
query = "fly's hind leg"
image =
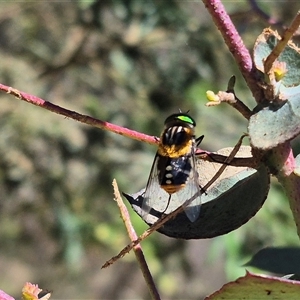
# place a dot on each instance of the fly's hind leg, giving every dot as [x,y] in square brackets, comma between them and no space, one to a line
[167,204]
[199,140]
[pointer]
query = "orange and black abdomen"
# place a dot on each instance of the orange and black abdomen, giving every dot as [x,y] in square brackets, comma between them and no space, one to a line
[173,172]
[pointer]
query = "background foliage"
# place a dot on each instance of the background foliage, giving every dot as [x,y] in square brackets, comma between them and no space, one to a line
[131,63]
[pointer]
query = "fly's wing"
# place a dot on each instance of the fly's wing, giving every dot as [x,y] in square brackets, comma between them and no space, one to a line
[190,195]
[155,197]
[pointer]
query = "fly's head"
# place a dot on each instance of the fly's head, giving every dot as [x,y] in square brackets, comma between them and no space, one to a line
[178,136]
[180,119]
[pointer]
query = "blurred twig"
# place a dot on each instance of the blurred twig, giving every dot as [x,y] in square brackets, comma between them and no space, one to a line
[255,7]
[137,248]
[76,39]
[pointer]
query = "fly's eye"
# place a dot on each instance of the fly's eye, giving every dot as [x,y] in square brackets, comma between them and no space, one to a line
[186,119]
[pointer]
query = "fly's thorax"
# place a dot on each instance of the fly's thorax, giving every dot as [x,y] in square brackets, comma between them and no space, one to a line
[176,141]
[174,151]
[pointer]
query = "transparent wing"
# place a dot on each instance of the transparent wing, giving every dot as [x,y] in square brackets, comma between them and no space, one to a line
[191,193]
[155,197]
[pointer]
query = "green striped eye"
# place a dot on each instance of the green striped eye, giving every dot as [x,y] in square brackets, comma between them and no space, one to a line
[186,119]
[181,118]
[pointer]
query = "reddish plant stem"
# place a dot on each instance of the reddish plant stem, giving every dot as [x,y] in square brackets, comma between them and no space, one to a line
[291,184]
[205,155]
[4,296]
[283,161]
[79,117]
[235,45]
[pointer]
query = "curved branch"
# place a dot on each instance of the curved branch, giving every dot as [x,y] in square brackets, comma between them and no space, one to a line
[79,117]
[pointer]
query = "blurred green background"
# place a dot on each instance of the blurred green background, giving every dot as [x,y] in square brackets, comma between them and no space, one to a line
[131,63]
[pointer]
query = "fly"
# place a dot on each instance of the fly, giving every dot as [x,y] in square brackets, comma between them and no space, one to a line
[173,179]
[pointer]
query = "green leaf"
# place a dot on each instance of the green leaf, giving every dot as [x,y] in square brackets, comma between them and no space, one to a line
[273,126]
[279,121]
[253,286]
[283,260]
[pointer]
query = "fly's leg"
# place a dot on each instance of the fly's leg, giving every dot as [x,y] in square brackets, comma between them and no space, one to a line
[199,140]
[167,204]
